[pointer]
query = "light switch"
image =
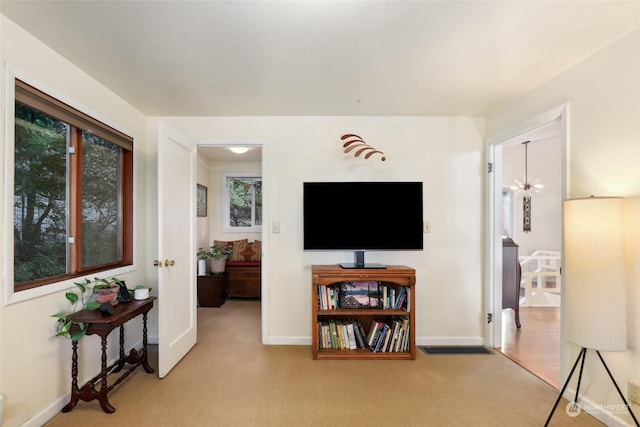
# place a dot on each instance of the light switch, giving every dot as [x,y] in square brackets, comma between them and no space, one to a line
[275,227]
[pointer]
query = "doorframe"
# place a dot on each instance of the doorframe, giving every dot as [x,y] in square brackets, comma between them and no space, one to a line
[264,267]
[493,201]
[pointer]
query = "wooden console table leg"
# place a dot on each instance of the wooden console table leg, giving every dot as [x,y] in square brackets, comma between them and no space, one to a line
[74,378]
[104,389]
[145,361]
[121,359]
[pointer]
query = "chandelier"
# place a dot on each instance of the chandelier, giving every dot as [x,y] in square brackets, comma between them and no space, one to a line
[527,189]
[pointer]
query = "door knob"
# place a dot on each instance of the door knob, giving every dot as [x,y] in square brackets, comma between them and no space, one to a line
[157,263]
[169,262]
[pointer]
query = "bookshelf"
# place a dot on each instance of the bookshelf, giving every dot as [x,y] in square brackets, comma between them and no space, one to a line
[331,277]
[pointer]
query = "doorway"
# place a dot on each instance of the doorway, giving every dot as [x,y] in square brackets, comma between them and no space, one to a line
[216,160]
[537,149]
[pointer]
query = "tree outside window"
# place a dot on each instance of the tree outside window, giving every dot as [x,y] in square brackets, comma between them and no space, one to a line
[243,203]
[72,192]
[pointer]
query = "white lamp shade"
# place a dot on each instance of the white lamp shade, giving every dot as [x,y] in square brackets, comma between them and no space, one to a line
[595,294]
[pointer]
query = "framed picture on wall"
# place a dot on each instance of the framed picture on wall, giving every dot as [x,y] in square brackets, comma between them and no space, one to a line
[201,200]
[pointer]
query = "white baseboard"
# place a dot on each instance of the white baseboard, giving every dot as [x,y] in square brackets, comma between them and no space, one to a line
[287,341]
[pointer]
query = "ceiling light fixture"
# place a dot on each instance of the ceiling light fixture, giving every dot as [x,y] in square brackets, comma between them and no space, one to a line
[527,189]
[239,150]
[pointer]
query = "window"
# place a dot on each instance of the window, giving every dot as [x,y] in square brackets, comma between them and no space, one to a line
[243,203]
[73,186]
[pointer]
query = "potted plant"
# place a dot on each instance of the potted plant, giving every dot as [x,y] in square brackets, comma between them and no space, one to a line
[103,291]
[219,256]
[203,255]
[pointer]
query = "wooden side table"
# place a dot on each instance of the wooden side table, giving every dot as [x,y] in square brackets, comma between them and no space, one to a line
[101,325]
[212,290]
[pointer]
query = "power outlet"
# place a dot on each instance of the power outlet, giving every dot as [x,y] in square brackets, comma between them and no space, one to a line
[634,392]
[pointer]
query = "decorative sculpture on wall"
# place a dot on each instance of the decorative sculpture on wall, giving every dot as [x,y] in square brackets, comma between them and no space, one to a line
[354,141]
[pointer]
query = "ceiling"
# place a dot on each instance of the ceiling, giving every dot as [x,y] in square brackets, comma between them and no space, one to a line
[377,58]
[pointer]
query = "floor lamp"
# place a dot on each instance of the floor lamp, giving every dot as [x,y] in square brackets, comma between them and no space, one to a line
[595,282]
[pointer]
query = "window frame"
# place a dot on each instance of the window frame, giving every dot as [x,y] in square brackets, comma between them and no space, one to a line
[226,218]
[13,294]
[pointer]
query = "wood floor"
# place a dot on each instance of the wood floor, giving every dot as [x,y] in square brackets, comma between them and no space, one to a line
[536,345]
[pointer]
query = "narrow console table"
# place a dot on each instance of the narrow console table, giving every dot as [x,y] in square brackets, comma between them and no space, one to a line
[98,324]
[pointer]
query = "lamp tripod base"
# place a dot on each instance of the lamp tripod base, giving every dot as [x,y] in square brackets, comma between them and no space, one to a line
[581,358]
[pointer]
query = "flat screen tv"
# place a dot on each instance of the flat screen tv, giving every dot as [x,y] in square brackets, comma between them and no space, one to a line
[362,216]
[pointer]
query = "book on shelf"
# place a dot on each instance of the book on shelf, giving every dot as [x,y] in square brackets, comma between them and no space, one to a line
[341,334]
[352,336]
[388,336]
[358,332]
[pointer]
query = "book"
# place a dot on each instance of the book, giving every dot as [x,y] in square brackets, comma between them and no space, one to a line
[394,335]
[374,333]
[352,336]
[363,333]
[358,332]
[333,298]
[340,329]
[357,295]
[401,298]
[381,334]
[335,342]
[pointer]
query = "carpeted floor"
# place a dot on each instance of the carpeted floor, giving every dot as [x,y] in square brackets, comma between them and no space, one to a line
[230,379]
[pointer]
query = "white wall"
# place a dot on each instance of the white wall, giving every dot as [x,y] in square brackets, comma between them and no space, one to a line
[444,153]
[35,370]
[603,93]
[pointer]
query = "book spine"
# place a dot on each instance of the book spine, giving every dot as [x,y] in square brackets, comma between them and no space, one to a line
[357,330]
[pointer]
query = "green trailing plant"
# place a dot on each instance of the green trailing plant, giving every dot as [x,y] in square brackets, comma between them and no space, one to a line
[80,300]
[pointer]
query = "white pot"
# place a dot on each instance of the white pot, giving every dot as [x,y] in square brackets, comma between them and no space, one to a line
[217,265]
[202,267]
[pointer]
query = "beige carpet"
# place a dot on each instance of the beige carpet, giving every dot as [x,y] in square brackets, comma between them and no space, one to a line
[230,379]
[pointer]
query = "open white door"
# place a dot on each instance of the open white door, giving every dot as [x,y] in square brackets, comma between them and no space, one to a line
[177,315]
[493,292]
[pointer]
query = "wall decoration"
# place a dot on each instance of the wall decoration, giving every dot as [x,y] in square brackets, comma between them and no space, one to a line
[201,200]
[353,141]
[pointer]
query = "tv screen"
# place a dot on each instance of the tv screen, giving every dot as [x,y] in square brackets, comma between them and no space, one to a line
[363,216]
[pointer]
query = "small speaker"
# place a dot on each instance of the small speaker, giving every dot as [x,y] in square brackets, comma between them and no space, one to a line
[106,309]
